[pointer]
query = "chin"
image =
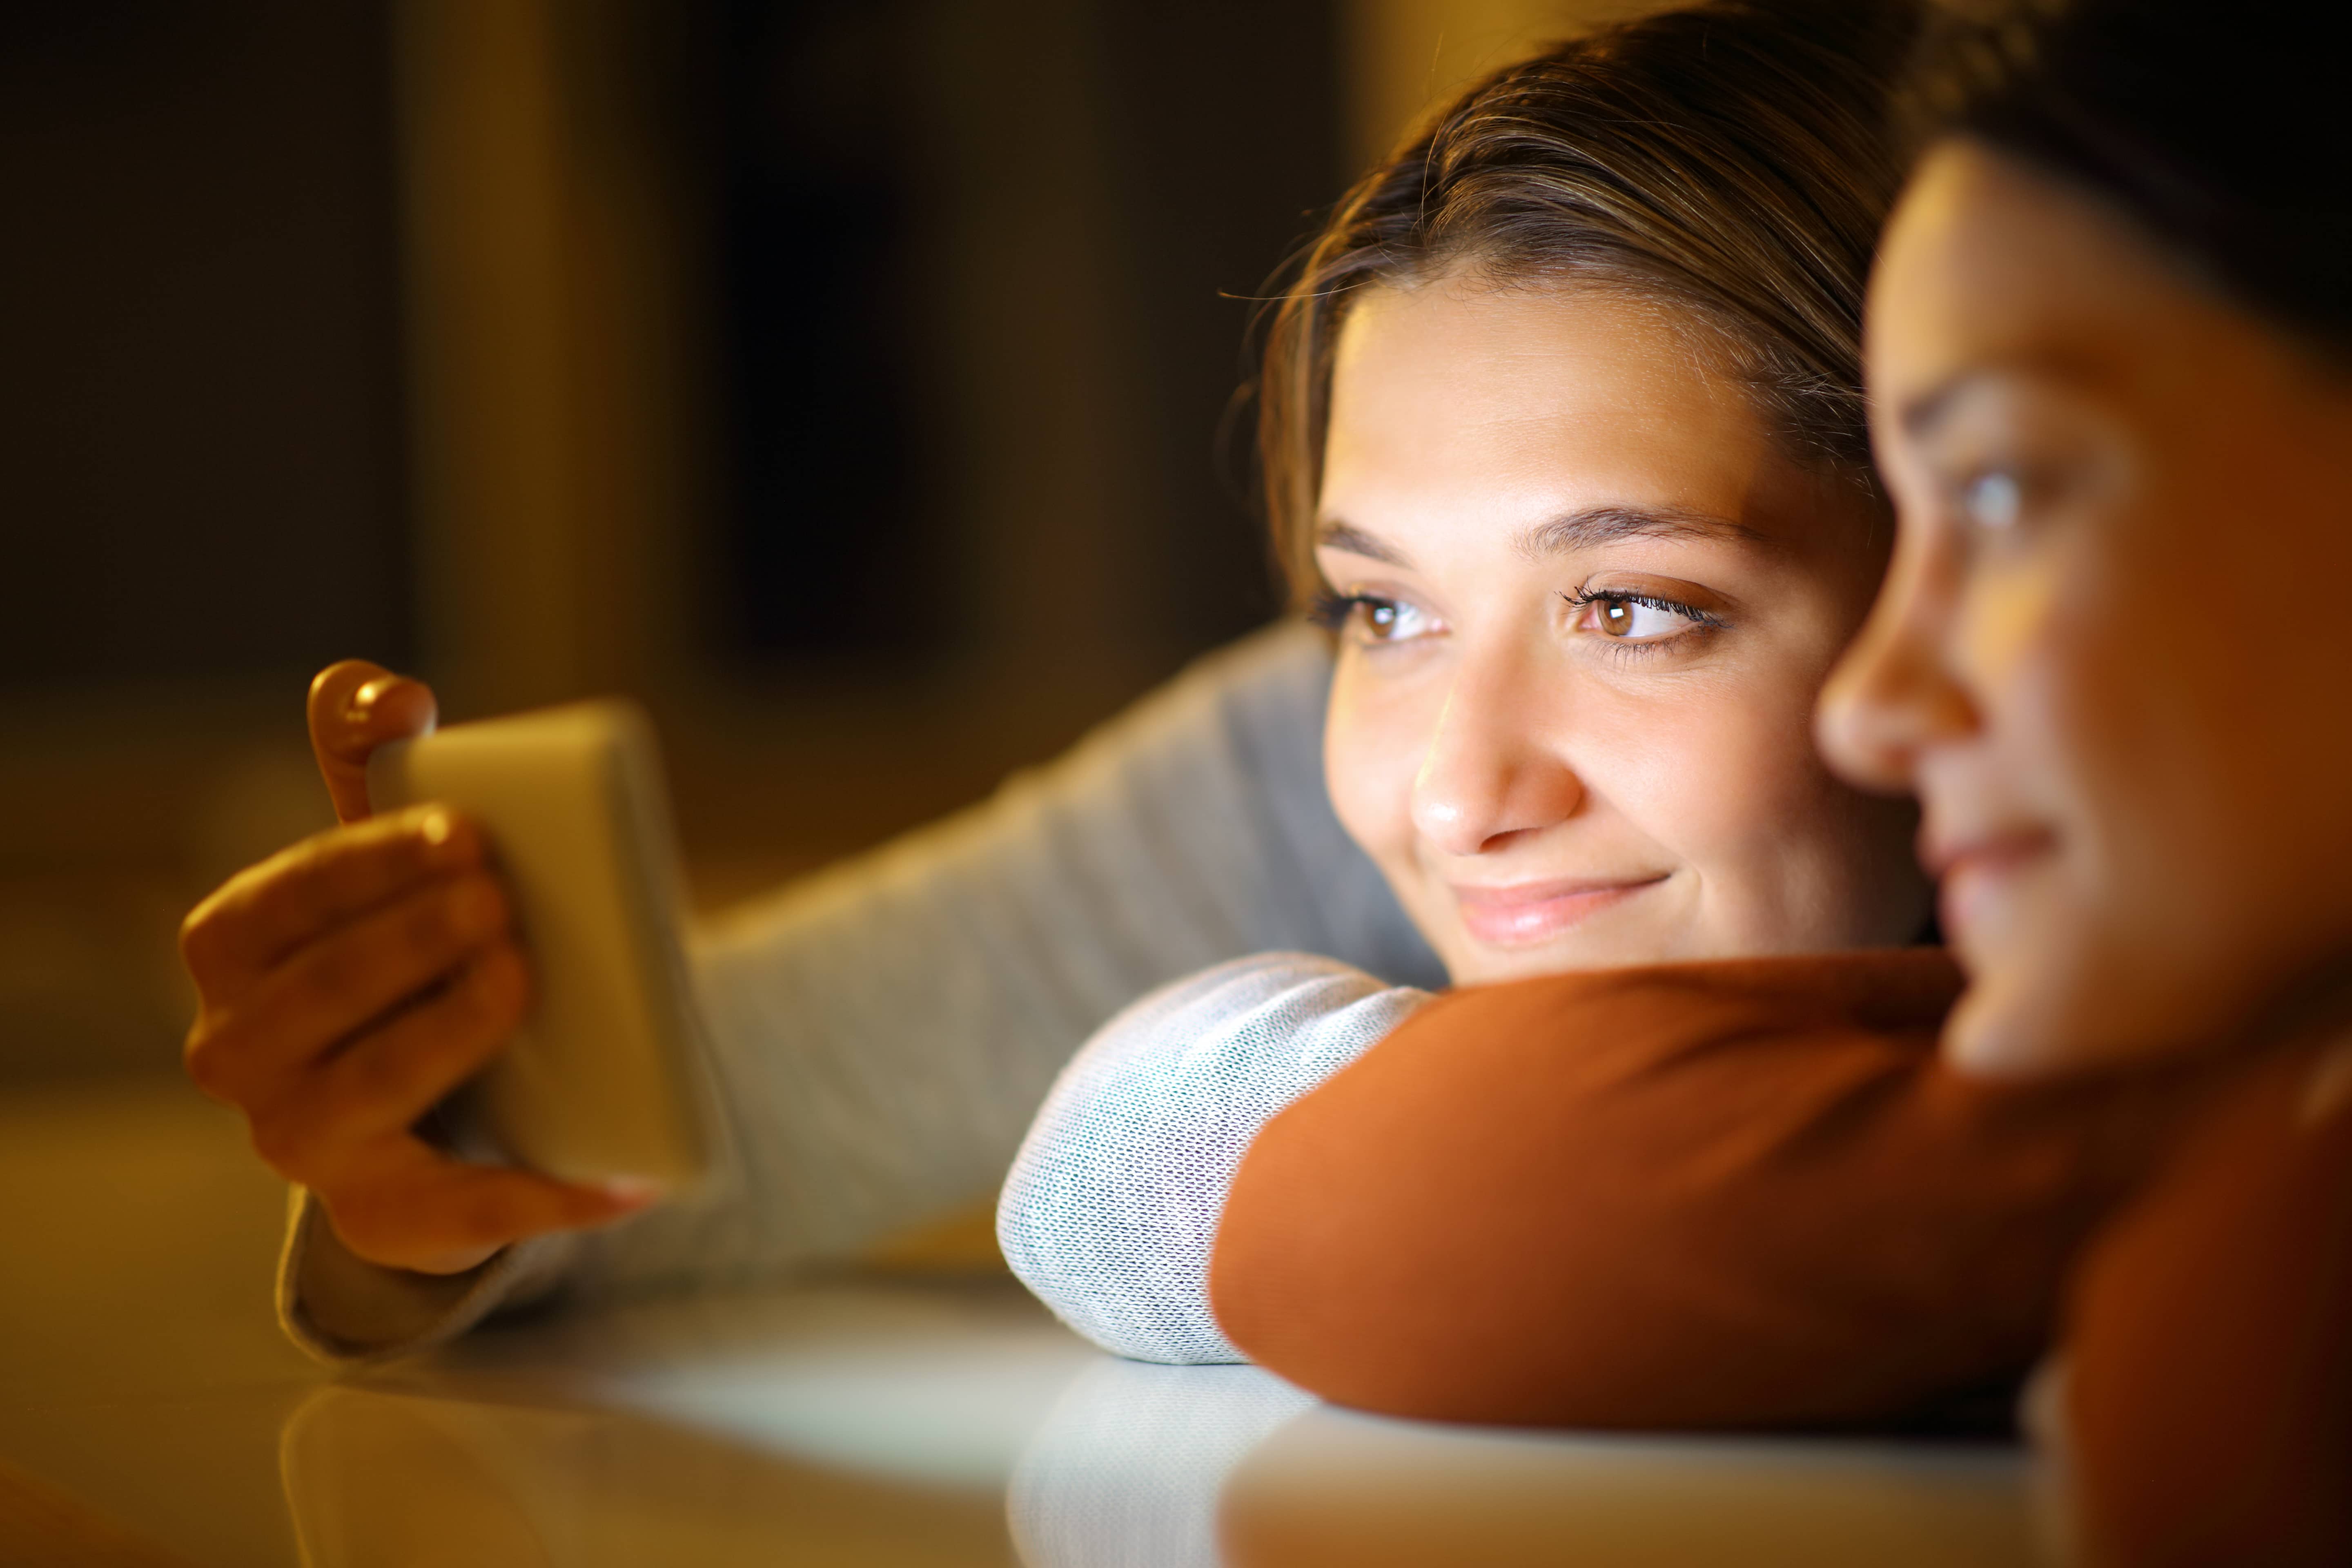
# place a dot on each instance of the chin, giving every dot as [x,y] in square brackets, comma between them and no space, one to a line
[1490,968]
[1992,1035]
[2042,1002]
[1473,962]
[2063,1007]
[2024,1013]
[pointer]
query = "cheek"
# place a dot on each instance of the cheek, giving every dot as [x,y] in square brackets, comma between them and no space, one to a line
[1725,780]
[2005,625]
[1786,857]
[1374,736]
[2200,806]
[2044,647]
[2055,652]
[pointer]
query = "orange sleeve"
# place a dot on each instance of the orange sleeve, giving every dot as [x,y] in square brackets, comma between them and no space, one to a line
[1701,1195]
[2209,1345]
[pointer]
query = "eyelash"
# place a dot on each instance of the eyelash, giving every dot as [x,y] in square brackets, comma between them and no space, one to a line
[1699,619]
[1330,611]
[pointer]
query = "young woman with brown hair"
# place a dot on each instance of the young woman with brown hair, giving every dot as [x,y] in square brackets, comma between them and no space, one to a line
[1564,419]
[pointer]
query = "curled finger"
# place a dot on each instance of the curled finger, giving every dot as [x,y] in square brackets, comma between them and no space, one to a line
[389,1077]
[308,1007]
[266,914]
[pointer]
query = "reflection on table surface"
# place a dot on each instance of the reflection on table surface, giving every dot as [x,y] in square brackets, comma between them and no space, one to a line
[851,1421]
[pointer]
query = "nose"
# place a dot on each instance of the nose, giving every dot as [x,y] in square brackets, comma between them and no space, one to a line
[1489,772]
[1893,696]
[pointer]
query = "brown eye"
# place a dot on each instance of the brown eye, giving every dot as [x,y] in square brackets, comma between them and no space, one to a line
[1388,621]
[1633,618]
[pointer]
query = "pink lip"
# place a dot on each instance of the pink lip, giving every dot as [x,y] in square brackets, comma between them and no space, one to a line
[1970,869]
[1987,851]
[1524,913]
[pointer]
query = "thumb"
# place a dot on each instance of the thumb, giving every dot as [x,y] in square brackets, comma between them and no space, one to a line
[355,707]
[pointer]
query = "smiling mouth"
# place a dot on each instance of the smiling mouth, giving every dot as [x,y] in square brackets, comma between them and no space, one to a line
[1972,870]
[1525,913]
[1943,856]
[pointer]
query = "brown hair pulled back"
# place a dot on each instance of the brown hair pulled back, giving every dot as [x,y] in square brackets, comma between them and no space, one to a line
[1730,160]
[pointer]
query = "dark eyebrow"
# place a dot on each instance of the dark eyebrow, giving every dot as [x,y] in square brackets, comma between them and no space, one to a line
[1607,525]
[1920,416]
[1347,536]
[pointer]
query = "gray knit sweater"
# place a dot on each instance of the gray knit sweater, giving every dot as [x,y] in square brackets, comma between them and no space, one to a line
[884,1033]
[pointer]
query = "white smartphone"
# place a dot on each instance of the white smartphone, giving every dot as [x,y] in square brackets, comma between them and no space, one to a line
[606,1078]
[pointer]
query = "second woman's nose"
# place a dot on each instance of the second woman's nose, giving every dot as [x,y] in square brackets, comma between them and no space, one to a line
[1891,695]
[1490,772]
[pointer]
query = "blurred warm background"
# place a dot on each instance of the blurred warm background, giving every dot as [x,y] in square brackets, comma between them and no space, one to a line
[848,380]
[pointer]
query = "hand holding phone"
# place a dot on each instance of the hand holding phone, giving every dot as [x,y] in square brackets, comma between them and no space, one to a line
[348,984]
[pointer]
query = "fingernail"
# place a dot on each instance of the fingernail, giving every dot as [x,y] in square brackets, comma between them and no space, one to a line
[434,827]
[364,699]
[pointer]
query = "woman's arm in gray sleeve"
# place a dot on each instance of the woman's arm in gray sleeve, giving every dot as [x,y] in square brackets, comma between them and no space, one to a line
[881,1034]
[1111,1210]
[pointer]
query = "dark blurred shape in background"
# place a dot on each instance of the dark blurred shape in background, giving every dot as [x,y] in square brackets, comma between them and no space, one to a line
[843,378]
[1154,162]
[204,457]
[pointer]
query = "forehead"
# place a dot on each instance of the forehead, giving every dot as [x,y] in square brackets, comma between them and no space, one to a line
[1458,396]
[1989,265]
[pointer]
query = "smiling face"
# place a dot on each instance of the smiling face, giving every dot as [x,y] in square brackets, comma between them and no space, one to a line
[2108,659]
[1586,604]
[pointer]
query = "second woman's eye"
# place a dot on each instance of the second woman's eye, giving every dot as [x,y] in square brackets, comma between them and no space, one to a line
[1992,500]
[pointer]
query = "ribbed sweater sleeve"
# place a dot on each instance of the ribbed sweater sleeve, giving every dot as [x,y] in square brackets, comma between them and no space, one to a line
[1113,1204]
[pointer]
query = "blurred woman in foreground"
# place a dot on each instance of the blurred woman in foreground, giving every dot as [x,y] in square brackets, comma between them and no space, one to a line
[2110,348]
[1568,418]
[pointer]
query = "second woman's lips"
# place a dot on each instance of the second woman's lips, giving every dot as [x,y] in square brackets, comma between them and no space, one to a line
[1520,914]
[1976,875]
[1943,853]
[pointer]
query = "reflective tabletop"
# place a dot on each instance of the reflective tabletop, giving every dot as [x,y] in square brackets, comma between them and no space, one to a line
[150,1413]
